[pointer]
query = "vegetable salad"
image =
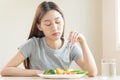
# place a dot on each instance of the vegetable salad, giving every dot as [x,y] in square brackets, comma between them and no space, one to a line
[65,71]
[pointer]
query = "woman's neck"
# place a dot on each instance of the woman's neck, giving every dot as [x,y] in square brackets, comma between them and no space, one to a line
[55,44]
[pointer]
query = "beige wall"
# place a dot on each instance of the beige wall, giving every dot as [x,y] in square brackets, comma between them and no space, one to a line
[109,32]
[16,17]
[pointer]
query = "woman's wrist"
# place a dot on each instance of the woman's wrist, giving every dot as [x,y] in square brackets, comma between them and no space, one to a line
[82,41]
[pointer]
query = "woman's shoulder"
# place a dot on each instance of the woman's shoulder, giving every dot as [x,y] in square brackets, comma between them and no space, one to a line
[36,39]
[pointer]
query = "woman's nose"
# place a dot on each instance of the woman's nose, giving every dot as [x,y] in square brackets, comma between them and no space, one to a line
[54,26]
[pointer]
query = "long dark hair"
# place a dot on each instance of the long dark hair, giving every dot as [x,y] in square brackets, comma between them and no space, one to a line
[42,9]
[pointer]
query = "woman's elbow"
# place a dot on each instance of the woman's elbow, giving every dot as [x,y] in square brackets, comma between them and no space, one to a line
[3,72]
[93,73]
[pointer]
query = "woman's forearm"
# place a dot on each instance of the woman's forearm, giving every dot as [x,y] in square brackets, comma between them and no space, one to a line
[88,59]
[13,71]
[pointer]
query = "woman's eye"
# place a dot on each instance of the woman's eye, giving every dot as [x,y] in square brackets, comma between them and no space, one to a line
[48,24]
[57,22]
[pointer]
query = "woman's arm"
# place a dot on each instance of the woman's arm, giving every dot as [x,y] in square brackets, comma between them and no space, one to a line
[87,62]
[11,69]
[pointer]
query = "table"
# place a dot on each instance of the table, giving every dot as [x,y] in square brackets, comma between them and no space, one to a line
[39,78]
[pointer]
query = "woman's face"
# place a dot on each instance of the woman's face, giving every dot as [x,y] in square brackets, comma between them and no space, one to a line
[52,25]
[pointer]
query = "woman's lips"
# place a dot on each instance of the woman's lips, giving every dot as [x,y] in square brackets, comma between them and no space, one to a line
[56,34]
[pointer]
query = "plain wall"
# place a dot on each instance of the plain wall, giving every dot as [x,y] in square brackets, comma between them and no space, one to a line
[16,17]
[109,27]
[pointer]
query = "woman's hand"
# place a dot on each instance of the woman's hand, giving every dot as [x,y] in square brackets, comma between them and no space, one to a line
[74,36]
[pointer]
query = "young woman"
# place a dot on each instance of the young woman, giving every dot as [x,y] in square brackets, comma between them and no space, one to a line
[46,47]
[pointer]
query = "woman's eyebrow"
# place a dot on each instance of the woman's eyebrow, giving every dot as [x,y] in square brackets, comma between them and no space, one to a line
[57,18]
[47,20]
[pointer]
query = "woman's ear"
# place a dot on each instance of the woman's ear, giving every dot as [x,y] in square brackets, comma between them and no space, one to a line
[39,27]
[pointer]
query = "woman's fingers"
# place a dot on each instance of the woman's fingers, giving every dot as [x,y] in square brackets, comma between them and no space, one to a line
[73,37]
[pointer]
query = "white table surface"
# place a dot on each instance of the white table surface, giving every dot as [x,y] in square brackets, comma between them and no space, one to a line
[39,78]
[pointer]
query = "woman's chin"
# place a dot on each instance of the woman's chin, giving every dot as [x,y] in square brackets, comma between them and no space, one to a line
[56,38]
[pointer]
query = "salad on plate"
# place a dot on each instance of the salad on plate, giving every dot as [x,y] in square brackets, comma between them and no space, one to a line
[63,73]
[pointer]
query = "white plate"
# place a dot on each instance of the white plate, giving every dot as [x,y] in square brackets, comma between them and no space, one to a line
[61,75]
